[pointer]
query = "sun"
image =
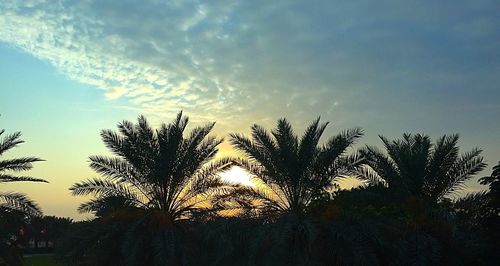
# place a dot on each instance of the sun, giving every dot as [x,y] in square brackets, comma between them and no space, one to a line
[237,175]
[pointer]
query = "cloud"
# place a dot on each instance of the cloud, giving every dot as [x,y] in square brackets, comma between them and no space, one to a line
[268,59]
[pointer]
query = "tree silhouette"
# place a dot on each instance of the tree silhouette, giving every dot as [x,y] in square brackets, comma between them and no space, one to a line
[12,201]
[493,181]
[491,217]
[418,175]
[156,169]
[416,167]
[478,222]
[290,172]
[158,182]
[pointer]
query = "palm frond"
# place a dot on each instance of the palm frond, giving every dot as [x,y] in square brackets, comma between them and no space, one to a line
[309,141]
[18,164]
[382,164]
[369,175]
[292,171]
[157,169]
[201,182]
[115,168]
[468,165]
[10,141]
[114,142]
[494,177]
[101,205]
[263,139]
[4,178]
[11,201]
[285,137]
[415,166]
[245,145]
[337,145]
[251,167]
[444,155]
[104,188]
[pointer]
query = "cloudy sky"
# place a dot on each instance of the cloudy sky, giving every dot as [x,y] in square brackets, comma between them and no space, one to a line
[72,68]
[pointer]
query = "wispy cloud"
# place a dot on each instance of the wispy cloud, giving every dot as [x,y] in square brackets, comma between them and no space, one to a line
[224,59]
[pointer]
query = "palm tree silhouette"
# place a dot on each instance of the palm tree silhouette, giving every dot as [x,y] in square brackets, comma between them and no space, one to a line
[416,167]
[290,172]
[491,211]
[160,170]
[493,181]
[12,201]
[418,176]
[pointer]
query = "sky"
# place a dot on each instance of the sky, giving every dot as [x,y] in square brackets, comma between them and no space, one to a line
[69,69]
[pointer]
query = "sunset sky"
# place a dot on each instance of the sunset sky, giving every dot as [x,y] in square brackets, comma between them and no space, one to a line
[69,69]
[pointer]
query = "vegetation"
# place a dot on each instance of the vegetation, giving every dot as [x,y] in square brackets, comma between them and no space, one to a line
[292,173]
[160,201]
[159,181]
[41,261]
[414,167]
[160,170]
[14,207]
[12,201]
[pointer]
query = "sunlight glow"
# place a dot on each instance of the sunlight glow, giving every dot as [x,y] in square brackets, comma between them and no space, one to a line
[237,175]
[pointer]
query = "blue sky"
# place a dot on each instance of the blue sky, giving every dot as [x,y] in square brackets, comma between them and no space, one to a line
[72,68]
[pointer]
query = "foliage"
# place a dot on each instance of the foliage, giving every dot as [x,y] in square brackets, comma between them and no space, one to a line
[14,206]
[493,181]
[41,261]
[294,214]
[159,181]
[416,167]
[291,173]
[156,170]
[12,201]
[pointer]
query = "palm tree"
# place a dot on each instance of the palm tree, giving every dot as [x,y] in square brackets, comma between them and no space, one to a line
[160,170]
[491,220]
[158,182]
[413,166]
[291,173]
[481,209]
[493,181]
[12,201]
[478,221]
[415,176]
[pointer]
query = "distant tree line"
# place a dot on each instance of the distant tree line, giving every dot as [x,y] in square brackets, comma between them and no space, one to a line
[160,200]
